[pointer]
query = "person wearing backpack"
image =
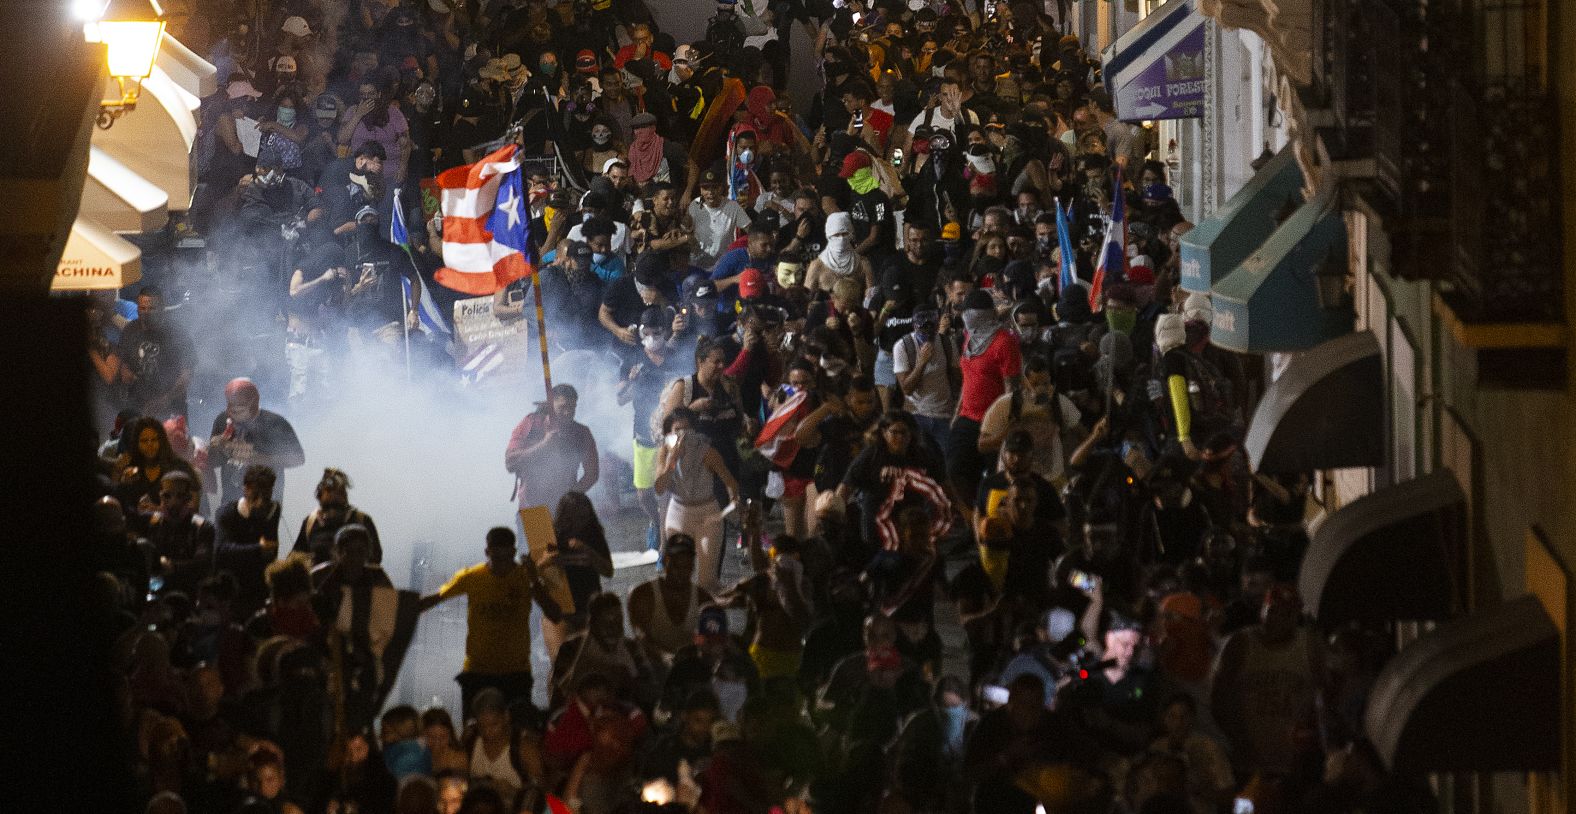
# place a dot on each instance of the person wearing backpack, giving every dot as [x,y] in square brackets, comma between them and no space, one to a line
[926,366]
[1193,398]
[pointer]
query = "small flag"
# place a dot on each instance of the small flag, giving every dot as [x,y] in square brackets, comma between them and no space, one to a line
[1064,243]
[1113,249]
[431,318]
[485,246]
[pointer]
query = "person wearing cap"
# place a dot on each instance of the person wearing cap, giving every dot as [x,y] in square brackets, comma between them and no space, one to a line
[572,293]
[275,205]
[246,435]
[322,140]
[642,378]
[716,220]
[1264,684]
[1119,700]
[626,299]
[377,303]
[711,661]
[991,364]
[756,254]
[869,207]
[664,611]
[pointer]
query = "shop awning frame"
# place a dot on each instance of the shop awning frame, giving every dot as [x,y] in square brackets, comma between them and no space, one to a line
[119,199]
[1387,556]
[1218,244]
[155,140]
[96,259]
[1482,693]
[1271,301]
[1325,411]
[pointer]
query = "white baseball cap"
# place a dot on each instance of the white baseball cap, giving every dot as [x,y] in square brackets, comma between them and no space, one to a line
[296,27]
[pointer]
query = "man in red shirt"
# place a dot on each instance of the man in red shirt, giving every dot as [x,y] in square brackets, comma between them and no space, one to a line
[641,48]
[991,361]
[877,124]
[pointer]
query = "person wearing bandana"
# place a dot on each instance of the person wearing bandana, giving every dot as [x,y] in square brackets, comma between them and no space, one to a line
[991,363]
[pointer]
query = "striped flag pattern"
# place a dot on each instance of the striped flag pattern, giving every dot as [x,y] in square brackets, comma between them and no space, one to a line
[485,218]
[1113,249]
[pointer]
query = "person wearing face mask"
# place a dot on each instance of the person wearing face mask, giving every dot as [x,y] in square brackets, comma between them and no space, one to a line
[322,147]
[927,758]
[348,185]
[625,300]
[603,145]
[246,537]
[1051,419]
[643,377]
[285,133]
[840,259]
[275,203]
[334,512]
[991,363]
[244,436]
[377,305]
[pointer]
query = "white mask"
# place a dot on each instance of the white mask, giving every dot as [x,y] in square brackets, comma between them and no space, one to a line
[731,696]
[653,343]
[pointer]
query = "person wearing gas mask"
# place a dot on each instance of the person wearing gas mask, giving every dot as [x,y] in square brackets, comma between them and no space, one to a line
[333,512]
[642,379]
[274,205]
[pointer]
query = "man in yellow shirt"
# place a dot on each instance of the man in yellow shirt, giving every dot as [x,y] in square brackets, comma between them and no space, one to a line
[498,619]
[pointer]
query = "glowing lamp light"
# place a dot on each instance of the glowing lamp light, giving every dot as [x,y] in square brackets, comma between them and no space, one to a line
[131,32]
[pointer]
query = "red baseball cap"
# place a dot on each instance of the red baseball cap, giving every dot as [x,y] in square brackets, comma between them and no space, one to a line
[882,658]
[752,283]
[854,162]
[585,61]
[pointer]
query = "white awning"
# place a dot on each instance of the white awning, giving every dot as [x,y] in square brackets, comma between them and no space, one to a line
[191,72]
[96,259]
[118,198]
[155,140]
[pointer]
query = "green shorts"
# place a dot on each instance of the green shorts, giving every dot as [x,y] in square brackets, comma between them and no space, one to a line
[644,463]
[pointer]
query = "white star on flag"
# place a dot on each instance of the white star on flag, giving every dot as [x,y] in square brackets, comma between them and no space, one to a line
[511,206]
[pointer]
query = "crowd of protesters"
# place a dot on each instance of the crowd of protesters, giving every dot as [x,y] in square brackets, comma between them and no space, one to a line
[852,356]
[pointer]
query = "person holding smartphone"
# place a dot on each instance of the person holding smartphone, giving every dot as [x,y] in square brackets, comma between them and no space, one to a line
[686,465]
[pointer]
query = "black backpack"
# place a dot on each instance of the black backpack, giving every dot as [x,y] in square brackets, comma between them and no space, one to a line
[726,35]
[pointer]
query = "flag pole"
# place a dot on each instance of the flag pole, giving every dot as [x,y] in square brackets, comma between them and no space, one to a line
[541,332]
[404,321]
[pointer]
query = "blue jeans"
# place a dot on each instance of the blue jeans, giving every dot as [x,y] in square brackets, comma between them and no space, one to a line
[936,430]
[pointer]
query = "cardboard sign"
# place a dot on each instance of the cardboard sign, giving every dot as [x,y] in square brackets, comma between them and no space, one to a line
[541,540]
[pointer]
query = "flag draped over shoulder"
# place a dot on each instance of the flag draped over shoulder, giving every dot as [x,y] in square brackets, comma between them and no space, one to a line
[485,219]
[1113,249]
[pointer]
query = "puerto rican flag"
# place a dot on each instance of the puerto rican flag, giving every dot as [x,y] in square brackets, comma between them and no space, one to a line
[1113,249]
[485,215]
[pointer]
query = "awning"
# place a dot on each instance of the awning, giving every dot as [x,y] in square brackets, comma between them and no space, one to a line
[119,199]
[155,140]
[1325,411]
[1477,694]
[96,259]
[1386,556]
[1271,301]
[191,72]
[1217,245]
[1156,69]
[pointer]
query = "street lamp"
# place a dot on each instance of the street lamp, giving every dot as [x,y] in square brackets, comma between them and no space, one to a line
[131,31]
